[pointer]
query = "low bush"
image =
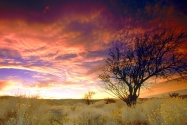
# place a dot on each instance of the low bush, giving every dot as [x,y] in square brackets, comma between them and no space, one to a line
[109,100]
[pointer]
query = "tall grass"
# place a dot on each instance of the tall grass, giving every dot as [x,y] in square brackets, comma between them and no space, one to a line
[32,111]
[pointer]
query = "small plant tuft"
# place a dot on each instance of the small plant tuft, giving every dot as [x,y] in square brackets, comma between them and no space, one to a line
[109,100]
[174,95]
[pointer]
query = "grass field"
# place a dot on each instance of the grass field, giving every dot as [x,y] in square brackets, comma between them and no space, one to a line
[32,111]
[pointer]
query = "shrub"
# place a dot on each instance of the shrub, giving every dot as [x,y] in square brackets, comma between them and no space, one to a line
[88,97]
[109,100]
[174,95]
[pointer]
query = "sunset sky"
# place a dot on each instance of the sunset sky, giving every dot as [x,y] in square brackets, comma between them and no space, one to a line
[56,48]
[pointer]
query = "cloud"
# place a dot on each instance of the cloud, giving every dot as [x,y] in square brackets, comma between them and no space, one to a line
[71,83]
[96,54]
[66,42]
[9,53]
[80,27]
[164,86]
[43,84]
[41,69]
[66,57]
[8,84]
[3,84]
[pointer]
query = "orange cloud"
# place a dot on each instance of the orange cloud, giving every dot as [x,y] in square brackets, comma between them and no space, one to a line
[8,84]
[3,84]
[164,87]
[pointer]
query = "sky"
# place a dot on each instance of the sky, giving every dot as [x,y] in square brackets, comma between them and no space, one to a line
[57,48]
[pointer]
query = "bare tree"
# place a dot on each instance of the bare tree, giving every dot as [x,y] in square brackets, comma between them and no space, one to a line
[130,65]
[88,97]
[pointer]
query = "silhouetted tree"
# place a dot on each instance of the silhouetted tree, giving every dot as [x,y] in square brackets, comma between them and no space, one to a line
[130,65]
[88,97]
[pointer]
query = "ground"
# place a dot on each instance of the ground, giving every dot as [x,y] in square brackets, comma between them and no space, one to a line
[32,111]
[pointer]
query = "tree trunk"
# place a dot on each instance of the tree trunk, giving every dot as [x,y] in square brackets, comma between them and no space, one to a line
[131,100]
[132,97]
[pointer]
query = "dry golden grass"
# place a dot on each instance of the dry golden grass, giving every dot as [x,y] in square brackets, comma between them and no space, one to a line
[33,111]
